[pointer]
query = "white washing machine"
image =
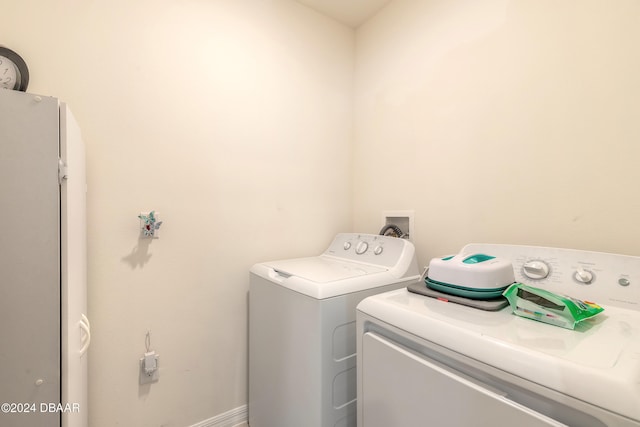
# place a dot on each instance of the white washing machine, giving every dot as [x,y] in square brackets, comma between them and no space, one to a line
[429,362]
[302,329]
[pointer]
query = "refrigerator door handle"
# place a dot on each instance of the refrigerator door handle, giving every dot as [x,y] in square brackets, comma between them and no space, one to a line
[86,339]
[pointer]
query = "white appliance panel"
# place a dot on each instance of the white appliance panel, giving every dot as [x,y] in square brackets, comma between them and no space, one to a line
[496,380]
[302,330]
[352,263]
[29,257]
[44,328]
[76,330]
[404,381]
[302,368]
[615,279]
[588,376]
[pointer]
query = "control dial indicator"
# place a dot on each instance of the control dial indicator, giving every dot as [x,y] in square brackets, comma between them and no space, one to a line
[362,247]
[583,276]
[535,269]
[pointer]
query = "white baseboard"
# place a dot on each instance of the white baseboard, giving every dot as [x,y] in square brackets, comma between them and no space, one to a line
[227,419]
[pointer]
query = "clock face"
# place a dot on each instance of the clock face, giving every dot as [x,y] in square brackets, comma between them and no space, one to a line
[14,73]
[9,74]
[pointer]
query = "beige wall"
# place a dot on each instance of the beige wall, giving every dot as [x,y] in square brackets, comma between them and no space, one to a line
[501,121]
[233,119]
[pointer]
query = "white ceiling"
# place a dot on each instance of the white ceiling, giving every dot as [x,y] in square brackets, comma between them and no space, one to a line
[349,12]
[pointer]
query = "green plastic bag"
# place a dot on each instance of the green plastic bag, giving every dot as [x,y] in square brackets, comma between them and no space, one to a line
[544,306]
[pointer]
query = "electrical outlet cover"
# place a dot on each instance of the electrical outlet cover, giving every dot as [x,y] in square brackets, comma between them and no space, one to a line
[147,379]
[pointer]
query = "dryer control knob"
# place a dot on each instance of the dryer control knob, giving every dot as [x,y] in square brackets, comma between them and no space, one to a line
[378,250]
[583,276]
[347,246]
[535,269]
[362,247]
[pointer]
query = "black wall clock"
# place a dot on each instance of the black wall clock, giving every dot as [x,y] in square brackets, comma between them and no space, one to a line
[14,73]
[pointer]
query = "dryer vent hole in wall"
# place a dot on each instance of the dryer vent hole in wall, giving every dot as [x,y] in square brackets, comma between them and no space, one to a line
[392,230]
[398,224]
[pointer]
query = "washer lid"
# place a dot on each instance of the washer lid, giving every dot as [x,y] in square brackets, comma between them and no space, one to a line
[322,269]
[326,277]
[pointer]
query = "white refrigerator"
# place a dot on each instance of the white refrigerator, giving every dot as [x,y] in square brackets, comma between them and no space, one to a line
[44,329]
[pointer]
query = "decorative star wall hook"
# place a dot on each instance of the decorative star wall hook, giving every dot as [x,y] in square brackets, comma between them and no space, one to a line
[149,224]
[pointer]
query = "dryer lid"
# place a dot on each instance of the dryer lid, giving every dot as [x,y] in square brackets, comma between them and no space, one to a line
[322,269]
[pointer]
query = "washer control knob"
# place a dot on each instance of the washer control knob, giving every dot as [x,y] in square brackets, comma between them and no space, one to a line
[347,246]
[362,247]
[378,250]
[583,276]
[535,269]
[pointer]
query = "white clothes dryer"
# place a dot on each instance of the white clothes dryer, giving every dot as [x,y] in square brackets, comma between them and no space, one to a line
[302,330]
[426,361]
